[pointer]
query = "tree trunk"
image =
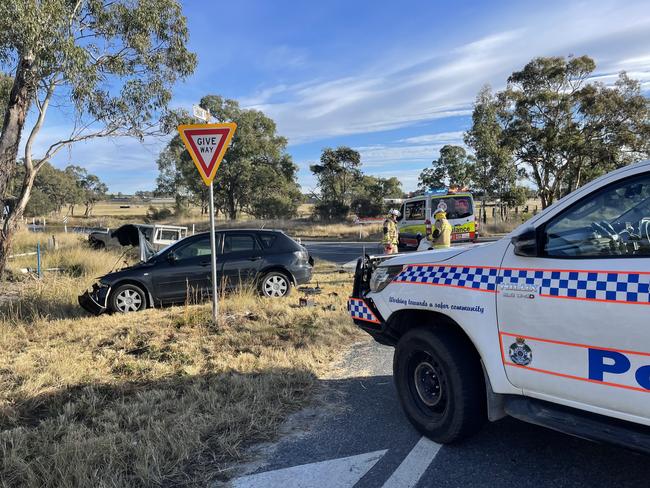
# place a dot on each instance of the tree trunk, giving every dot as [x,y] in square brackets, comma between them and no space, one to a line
[10,224]
[232,208]
[89,207]
[18,105]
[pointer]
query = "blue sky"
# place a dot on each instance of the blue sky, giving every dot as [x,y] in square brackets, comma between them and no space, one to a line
[394,80]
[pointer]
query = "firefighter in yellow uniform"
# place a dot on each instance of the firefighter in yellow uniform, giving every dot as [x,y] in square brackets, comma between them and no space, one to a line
[391,234]
[441,234]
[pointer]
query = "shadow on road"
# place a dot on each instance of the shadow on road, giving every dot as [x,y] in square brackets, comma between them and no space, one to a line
[505,453]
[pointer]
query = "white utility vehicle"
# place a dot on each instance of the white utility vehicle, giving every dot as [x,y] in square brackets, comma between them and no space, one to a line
[550,325]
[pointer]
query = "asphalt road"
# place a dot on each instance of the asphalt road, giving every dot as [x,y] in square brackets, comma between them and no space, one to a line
[341,252]
[344,252]
[367,442]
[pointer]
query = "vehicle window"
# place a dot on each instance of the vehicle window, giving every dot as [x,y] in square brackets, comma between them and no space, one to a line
[200,247]
[415,210]
[147,231]
[239,243]
[268,240]
[168,235]
[614,221]
[457,207]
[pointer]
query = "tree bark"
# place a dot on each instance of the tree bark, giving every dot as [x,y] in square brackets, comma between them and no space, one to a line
[232,207]
[20,99]
[10,224]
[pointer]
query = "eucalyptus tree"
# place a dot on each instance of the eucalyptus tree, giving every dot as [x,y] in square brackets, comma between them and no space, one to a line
[109,64]
[564,129]
[256,175]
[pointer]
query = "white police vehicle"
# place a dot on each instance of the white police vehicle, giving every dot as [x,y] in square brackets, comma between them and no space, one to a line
[550,325]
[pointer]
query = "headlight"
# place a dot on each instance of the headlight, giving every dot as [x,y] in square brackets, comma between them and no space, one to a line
[382,276]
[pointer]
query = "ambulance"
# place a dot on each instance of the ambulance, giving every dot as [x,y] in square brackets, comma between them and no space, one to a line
[417,217]
[549,325]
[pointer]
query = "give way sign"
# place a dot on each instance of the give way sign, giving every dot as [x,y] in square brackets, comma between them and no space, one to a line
[207,144]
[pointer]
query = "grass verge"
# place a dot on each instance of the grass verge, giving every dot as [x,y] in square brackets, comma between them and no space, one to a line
[157,398]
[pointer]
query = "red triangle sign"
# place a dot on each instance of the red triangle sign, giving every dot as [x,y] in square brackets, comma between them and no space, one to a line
[207,144]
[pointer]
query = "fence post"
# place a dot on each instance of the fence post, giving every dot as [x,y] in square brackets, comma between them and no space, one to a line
[38,259]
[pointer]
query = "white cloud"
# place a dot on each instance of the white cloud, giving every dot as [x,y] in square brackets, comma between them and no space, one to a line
[441,137]
[380,155]
[124,163]
[413,83]
[386,95]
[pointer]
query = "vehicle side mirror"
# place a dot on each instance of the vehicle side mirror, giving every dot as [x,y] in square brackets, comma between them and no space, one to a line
[171,257]
[525,243]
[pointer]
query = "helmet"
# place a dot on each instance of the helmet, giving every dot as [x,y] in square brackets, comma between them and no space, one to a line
[440,213]
[394,212]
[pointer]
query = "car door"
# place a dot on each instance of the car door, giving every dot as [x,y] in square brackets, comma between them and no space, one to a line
[241,258]
[573,306]
[412,223]
[184,272]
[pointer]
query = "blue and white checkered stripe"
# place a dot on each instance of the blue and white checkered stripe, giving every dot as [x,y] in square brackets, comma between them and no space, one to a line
[610,286]
[585,285]
[473,278]
[359,310]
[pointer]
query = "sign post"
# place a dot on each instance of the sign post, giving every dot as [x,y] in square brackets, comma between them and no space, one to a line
[207,144]
[213,255]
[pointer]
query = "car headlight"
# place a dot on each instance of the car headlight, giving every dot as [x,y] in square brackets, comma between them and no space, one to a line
[382,276]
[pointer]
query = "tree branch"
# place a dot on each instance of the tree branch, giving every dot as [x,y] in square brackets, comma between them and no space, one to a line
[42,110]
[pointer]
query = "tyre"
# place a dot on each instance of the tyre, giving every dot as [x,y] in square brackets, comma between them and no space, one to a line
[97,244]
[440,383]
[275,285]
[127,298]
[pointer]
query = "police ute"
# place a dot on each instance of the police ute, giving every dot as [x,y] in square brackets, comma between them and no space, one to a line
[550,325]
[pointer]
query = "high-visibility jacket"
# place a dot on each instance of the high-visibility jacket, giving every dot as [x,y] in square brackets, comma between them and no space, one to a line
[391,234]
[441,235]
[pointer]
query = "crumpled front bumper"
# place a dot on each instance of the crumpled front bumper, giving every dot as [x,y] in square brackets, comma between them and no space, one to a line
[361,308]
[95,300]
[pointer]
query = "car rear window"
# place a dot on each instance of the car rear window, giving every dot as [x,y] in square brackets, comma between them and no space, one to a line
[458,207]
[268,240]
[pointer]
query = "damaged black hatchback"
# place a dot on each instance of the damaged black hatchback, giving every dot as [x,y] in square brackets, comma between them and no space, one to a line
[267,259]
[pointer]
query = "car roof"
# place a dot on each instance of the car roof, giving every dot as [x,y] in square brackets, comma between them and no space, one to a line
[446,195]
[207,232]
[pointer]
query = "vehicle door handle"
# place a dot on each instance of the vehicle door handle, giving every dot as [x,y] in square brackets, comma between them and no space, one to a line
[205,263]
[255,258]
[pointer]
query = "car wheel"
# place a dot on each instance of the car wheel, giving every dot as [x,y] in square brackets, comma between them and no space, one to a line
[440,384]
[275,284]
[97,244]
[128,298]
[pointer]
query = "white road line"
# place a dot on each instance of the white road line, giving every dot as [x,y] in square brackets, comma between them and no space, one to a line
[334,473]
[414,465]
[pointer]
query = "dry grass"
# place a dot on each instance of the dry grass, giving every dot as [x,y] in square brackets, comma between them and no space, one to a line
[161,397]
[72,258]
[306,228]
[25,241]
[109,214]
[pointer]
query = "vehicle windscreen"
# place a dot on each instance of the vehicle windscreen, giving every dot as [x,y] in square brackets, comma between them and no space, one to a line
[614,221]
[459,207]
[415,210]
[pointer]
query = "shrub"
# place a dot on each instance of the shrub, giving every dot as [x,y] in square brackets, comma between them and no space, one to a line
[154,213]
[330,211]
